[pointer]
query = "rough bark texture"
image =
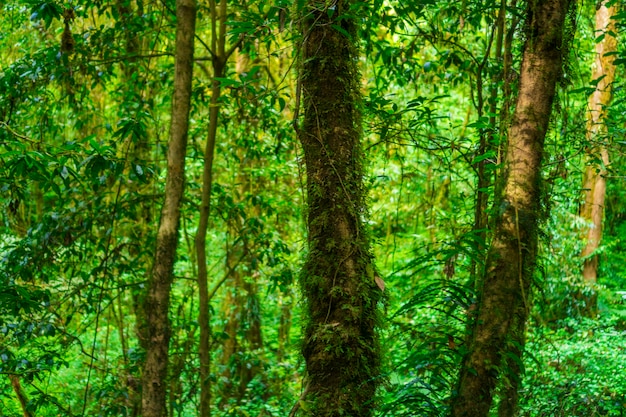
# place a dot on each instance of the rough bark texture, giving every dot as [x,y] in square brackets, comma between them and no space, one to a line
[156,303]
[513,370]
[594,185]
[504,296]
[340,343]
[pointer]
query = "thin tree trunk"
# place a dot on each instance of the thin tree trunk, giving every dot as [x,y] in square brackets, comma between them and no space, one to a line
[595,174]
[219,58]
[284,327]
[252,367]
[507,78]
[205,209]
[485,177]
[156,303]
[21,395]
[138,150]
[340,345]
[131,38]
[509,387]
[231,307]
[241,352]
[511,259]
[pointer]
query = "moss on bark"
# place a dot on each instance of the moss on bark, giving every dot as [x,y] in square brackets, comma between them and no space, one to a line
[340,344]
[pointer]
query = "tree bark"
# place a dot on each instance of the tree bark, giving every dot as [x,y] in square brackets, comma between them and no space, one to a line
[485,177]
[340,345]
[504,296]
[156,303]
[219,58]
[594,185]
[21,395]
[204,317]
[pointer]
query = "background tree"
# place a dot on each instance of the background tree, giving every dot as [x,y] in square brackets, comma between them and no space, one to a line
[594,184]
[219,59]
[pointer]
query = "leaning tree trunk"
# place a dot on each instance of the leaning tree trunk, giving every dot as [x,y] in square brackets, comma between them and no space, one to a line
[340,343]
[594,185]
[156,304]
[504,296]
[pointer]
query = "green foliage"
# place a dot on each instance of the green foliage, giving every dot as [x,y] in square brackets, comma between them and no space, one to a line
[82,149]
[577,369]
[430,327]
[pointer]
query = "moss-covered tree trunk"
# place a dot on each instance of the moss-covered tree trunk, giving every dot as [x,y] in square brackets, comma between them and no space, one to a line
[156,334]
[340,344]
[505,290]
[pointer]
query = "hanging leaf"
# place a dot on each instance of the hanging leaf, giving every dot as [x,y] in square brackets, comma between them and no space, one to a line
[379,281]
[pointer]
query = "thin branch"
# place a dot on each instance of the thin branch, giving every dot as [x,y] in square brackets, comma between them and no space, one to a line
[296,406]
[207,47]
[234,47]
[16,134]
[52,400]
[127,57]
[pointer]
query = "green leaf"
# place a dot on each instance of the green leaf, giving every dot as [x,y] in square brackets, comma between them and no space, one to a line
[342,31]
[619,61]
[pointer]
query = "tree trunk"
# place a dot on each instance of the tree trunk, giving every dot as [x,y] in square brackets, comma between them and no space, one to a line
[513,367]
[241,355]
[485,177]
[156,303]
[219,58]
[284,328]
[21,395]
[253,346]
[340,345]
[138,230]
[204,317]
[504,296]
[509,387]
[232,310]
[594,185]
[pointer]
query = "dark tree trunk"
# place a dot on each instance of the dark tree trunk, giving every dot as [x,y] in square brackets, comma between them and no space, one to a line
[156,304]
[505,293]
[340,343]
